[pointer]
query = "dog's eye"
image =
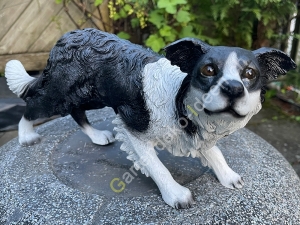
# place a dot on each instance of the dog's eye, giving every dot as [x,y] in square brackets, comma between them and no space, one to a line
[249,73]
[208,71]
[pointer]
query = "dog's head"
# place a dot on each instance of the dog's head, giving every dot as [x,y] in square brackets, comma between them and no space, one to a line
[226,80]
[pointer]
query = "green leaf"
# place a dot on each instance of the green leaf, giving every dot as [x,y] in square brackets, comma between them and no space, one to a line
[122,13]
[123,35]
[163,3]
[178,2]
[156,18]
[166,3]
[58,1]
[170,5]
[171,9]
[116,16]
[183,16]
[127,7]
[155,42]
[187,31]
[165,31]
[257,13]
[171,38]
[96,2]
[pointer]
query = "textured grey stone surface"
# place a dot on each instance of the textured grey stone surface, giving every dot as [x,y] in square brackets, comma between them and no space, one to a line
[55,182]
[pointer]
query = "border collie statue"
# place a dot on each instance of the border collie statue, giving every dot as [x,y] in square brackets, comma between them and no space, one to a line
[190,99]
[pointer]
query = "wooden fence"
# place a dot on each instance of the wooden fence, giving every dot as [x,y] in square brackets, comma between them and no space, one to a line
[30,28]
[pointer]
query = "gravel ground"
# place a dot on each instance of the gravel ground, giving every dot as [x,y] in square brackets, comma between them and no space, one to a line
[274,124]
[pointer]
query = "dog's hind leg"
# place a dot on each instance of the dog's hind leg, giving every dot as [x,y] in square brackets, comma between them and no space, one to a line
[19,81]
[99,137]
[27,135]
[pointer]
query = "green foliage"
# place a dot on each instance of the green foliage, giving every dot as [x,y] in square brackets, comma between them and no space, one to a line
[155,42]
[232,22]
[123,35]
[170,5]
[166,20]
[217,22]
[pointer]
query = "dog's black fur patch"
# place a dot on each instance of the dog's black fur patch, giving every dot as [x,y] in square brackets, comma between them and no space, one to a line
[91,69]
[190,128]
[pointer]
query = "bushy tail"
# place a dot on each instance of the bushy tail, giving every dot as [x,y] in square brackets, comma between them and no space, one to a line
[17,77]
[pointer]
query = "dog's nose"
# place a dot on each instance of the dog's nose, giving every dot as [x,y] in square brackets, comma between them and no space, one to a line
[232,88]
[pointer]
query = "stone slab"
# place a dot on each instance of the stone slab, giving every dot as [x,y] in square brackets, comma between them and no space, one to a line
[65,180]
[82,165]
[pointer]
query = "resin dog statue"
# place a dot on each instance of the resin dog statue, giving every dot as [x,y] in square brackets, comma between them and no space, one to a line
[183,102]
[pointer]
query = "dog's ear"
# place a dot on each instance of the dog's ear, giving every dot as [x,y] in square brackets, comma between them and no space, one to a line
[186,52]
[273,62]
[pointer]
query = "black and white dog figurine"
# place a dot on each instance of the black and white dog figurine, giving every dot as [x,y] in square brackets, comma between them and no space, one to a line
[183,102]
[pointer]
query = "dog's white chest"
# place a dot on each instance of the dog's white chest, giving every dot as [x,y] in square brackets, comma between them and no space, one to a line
[161,83]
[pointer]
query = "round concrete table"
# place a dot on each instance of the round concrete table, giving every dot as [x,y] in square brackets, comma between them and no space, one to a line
[66,179]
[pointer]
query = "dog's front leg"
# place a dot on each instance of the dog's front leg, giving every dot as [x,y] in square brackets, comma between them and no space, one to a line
[141,152]
[173,193]
[227,177]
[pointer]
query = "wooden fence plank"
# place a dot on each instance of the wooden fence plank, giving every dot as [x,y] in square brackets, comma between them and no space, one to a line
[5,4]
[61,24]
[31,61]
[29,26]
[47,38]
[56,29]
[9,13]
[28,30]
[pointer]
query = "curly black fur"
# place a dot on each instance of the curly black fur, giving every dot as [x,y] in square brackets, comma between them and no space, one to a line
[90,69]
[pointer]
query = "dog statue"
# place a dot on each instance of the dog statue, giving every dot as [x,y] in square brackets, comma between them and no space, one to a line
[183,102]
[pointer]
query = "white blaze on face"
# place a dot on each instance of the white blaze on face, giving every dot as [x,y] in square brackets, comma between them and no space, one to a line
[214,100]
[232,68]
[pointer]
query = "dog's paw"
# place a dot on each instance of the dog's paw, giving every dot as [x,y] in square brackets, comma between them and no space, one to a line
[178,197]
[29,138]
[102,137]
[231,180]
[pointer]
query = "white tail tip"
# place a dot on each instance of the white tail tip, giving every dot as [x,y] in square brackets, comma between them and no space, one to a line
[17,77]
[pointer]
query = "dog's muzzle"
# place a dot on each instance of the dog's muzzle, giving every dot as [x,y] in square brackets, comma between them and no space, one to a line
[232,90]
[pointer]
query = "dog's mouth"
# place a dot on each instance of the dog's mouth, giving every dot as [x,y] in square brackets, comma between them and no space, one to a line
[227,110]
